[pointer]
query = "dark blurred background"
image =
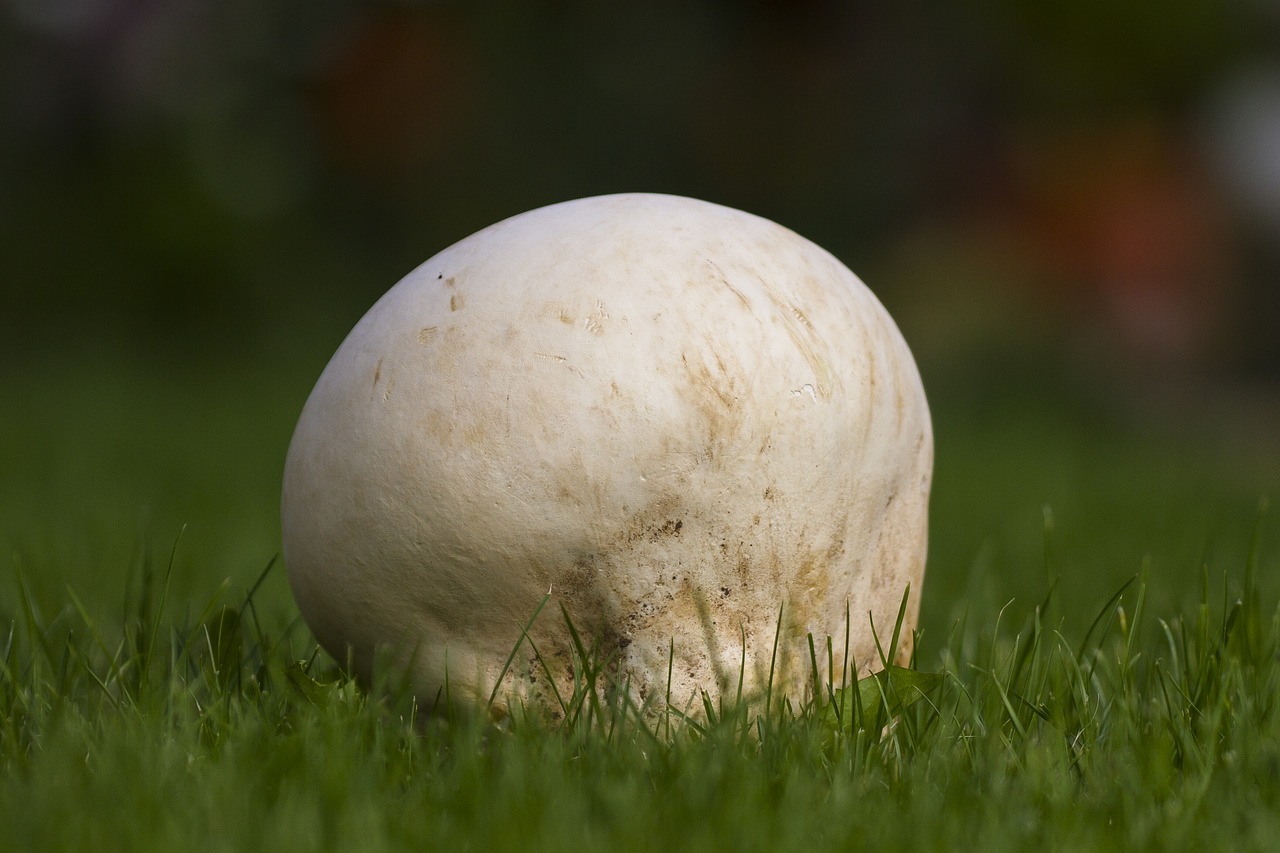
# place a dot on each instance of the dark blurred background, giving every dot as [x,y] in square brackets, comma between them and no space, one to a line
[1071,208]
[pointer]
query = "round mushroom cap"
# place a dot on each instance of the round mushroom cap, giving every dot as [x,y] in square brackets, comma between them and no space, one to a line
[691,431]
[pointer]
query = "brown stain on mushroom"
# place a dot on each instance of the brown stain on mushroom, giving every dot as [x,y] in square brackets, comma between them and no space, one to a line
[707,608]
[377,377]
[583,584]
[715,392]
[805,337]
[474,434]
[724,279]
[560,360]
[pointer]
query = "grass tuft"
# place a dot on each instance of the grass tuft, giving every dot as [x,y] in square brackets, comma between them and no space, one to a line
[1148,730]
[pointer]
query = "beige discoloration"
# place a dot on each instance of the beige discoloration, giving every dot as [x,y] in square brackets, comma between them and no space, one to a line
[676,417]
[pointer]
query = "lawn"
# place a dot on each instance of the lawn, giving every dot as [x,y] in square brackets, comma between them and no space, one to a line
[1099,621]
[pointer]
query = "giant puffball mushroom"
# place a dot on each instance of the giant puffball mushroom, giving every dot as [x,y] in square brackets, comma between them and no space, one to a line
[697,431]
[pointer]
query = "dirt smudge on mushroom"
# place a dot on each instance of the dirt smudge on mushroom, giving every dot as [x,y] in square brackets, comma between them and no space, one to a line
[724,279]
[802,333]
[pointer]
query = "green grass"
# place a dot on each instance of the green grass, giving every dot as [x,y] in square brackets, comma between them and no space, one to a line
[1102,675]
[1152,731]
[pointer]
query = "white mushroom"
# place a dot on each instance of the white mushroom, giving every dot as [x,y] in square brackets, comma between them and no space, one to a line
[677,418]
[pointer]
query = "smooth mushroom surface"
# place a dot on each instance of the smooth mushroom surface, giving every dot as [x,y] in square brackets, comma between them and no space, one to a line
[678,419]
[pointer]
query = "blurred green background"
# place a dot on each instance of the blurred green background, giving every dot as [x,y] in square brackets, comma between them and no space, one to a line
[1071,208]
